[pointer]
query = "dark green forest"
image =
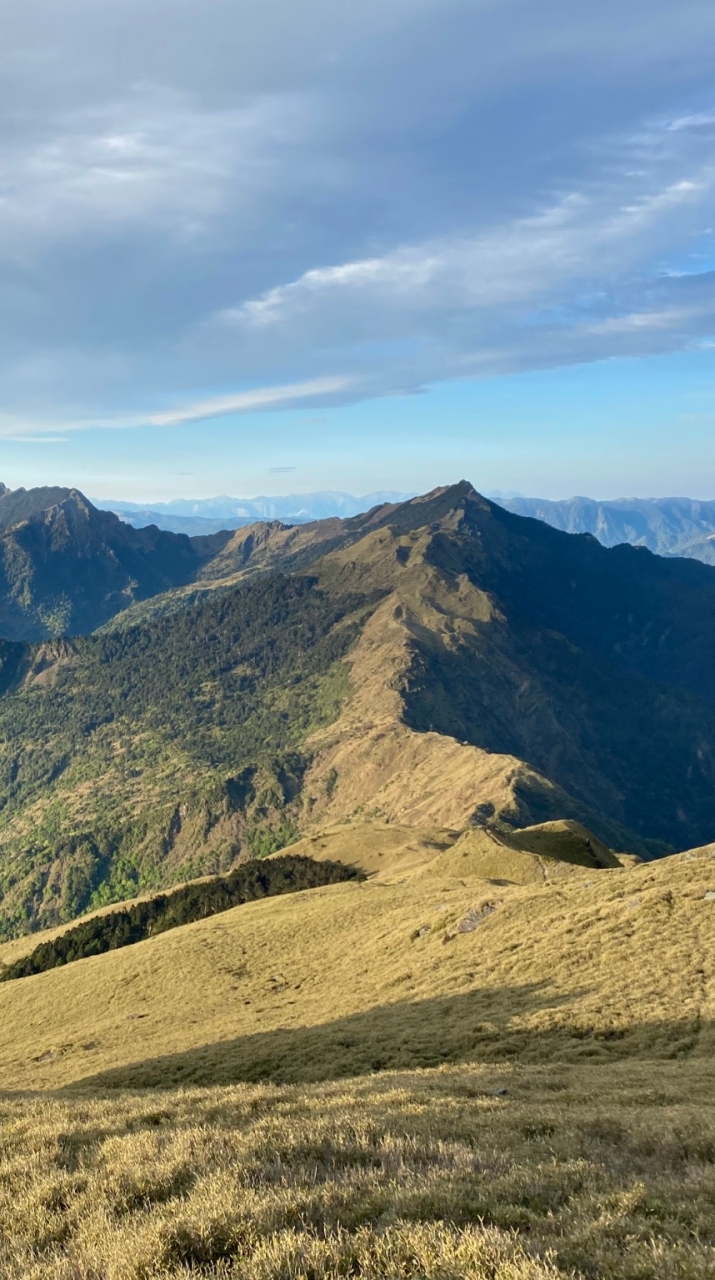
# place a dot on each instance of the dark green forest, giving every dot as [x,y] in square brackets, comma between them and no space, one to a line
[200,675]
[264,879]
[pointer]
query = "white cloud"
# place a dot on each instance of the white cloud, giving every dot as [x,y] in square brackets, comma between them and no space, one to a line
[257,399]
[392,193]
[248,401]
[398,275]
[581,237]
[638,321]
[699,120]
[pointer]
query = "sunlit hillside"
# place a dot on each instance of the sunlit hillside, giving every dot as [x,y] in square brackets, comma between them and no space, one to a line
[447,962]
[492,1060]
[477,1172]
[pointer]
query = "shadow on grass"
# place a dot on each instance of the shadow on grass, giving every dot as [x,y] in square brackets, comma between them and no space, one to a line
[472,1027]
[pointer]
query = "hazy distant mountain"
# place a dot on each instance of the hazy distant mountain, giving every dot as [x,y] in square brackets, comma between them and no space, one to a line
[209,515]
[668,526]
[192,526]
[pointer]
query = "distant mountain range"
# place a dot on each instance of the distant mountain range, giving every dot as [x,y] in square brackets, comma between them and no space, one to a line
[68,567]
[667,526]
[439,662]
[210,515]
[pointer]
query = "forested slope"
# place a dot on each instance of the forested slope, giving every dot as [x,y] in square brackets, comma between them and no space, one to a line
[141,757]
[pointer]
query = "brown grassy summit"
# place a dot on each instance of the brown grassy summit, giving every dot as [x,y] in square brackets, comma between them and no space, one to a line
[390,851]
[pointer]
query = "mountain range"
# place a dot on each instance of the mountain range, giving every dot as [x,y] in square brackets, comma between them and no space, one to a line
[211,515]
[435,663]
[667,526]
[438,996]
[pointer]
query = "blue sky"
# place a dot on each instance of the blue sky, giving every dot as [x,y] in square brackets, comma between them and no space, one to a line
[268,247]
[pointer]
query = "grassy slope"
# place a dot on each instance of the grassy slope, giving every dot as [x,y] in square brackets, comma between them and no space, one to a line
[543,1109]
[389,852]
[527,856]
[337,981]
[463,706]
[576,1173]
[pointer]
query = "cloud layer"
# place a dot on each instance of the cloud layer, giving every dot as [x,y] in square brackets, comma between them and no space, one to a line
[208,208]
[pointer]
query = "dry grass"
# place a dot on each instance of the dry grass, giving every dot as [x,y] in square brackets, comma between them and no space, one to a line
[388,851]
[543,1108]
[460,1173]
[394,973]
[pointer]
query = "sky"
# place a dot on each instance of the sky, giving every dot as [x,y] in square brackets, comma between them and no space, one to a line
[272,247]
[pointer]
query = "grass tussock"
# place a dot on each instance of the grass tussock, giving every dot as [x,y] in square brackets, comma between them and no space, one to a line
[461,1173]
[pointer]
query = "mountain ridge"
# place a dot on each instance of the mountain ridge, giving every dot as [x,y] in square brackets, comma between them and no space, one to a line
[436,663]
[66,568]
[669,526]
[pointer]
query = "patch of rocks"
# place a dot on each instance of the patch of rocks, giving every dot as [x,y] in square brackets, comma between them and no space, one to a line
[474,917]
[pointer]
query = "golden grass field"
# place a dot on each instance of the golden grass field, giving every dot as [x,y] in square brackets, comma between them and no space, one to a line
[576,1170]
[313,1086]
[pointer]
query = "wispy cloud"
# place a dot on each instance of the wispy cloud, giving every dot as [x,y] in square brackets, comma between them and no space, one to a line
[256,400]
[581,236]
[546,287]
[353,199]
[699,120]
[638,321]
[250,401]
[35,439]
